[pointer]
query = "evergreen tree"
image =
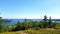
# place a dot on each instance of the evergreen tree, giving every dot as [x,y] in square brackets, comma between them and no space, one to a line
[45,18]
[45,21]
[0,24]
[25,24]
[50,22]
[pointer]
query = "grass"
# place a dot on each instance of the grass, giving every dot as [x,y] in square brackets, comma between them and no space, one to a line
[17,32]
[44,31]
[40,31]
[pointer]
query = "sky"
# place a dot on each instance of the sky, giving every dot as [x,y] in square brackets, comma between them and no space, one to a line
[30,9]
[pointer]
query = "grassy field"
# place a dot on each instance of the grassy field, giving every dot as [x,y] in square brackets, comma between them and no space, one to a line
[45,31]
[17,32]
[40,31]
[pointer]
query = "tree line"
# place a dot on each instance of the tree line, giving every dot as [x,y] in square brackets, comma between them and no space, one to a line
[45,23]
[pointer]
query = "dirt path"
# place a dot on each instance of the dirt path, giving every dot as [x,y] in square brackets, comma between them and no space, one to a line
[50,29]
[24,33]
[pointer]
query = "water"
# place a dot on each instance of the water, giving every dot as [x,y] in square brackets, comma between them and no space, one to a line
[14,21]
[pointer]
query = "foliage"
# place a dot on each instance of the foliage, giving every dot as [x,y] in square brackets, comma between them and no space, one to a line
[2,28]
[40,31]
[45,23]
[0,24]
[34,24]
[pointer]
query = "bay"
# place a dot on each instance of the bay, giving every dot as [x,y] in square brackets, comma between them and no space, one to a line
[14,21]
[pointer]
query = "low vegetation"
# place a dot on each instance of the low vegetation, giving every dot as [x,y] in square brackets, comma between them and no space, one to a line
[40,31]
[46,26]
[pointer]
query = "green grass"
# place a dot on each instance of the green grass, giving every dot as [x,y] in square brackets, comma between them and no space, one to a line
[44,31]
[17,32]
[40,31]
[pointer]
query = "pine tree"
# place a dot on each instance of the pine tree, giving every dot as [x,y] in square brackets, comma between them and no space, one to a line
[50,22]
[45,21]
[0,24]
[45,18]
[25,24]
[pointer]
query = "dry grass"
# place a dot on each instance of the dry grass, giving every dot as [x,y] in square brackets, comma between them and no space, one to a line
[40,31]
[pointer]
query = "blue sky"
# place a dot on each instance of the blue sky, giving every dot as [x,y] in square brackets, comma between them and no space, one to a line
[31,9]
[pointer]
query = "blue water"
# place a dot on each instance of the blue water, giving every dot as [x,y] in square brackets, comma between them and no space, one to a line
[14,21]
